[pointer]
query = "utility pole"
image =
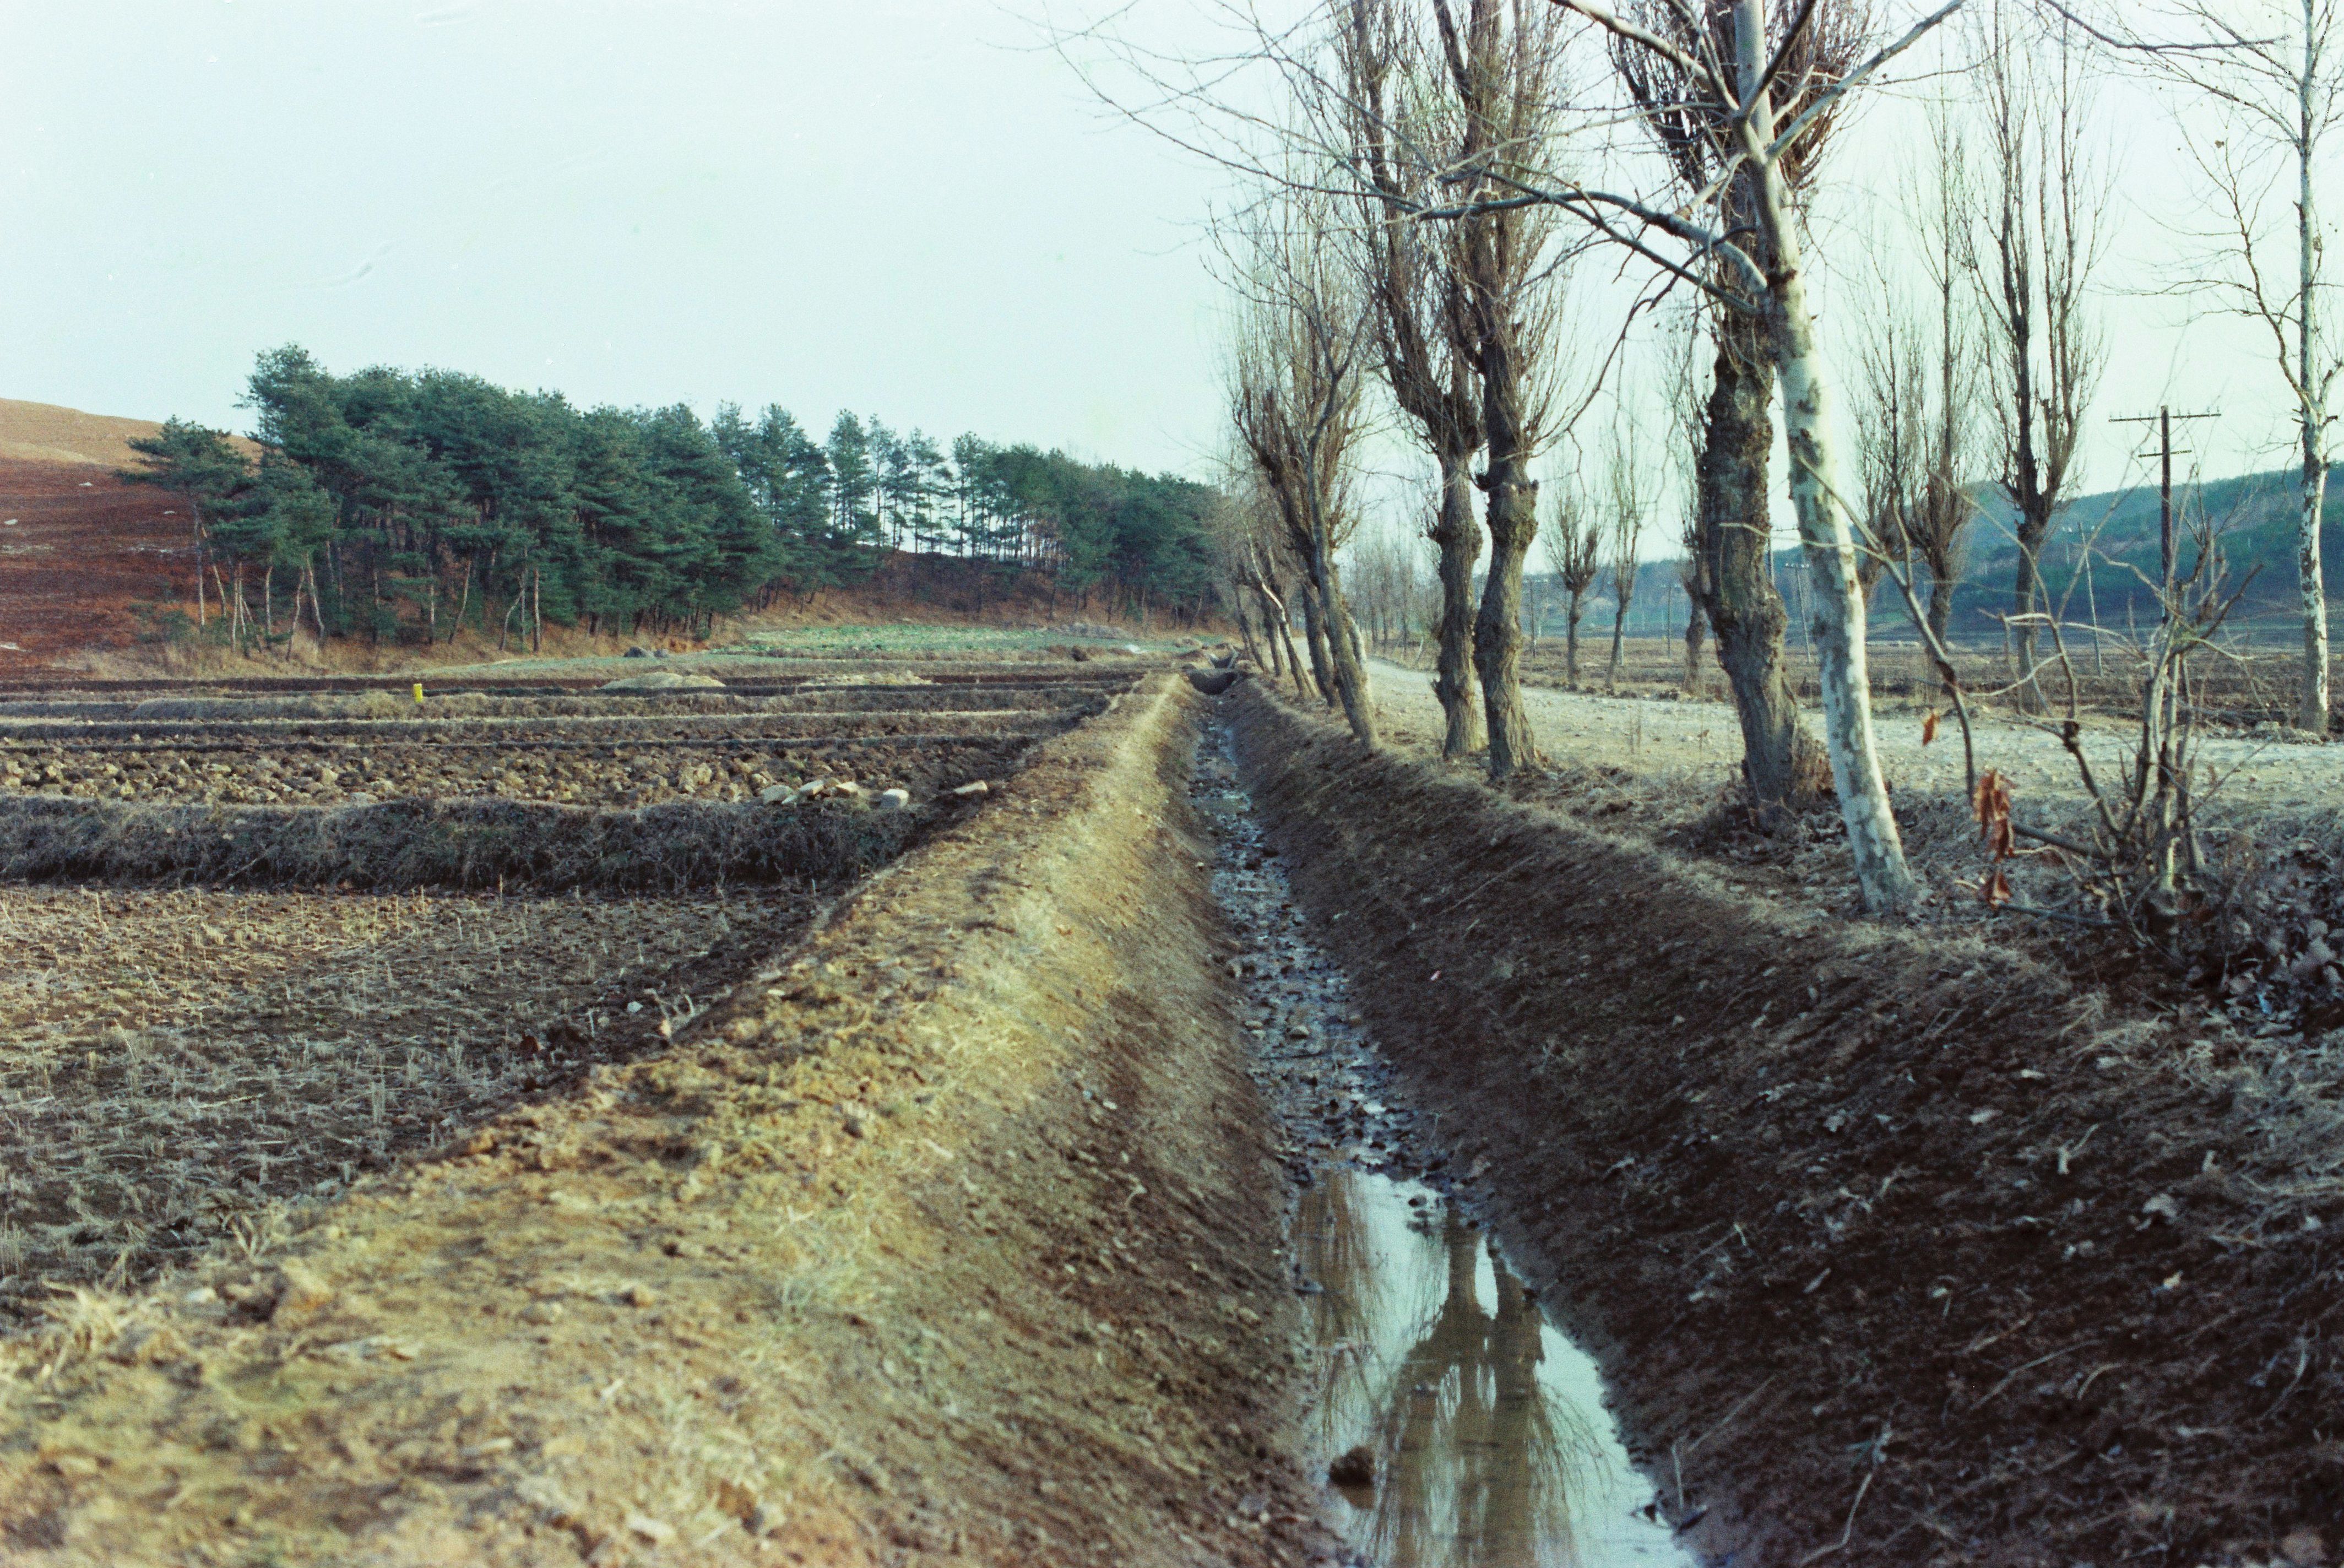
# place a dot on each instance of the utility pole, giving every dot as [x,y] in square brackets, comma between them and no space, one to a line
[2163,419]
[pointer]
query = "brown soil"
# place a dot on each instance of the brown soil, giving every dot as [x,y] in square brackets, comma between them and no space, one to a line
[179,1065]
[951,1235]
[1891,1237]
[84,548]
[625,770]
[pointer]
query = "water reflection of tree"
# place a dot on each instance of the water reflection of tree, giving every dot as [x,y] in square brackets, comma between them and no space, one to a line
[1477,1469]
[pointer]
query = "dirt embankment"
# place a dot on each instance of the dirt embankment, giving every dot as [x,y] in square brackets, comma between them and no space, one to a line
[951,1235]
[1886,1237]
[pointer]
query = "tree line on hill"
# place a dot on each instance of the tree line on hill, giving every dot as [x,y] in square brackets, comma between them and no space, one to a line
[398,505]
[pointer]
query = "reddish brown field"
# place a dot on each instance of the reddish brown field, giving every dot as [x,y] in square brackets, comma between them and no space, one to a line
[78,548]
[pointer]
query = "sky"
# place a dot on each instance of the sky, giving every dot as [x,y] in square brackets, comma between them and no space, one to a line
[907,208]
[912,209]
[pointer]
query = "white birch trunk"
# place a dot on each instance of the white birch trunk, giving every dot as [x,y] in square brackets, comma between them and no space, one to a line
[2310,384]
[1817,497]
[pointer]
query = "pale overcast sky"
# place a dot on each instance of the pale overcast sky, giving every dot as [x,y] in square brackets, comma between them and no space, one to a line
[901,206]
[908,208]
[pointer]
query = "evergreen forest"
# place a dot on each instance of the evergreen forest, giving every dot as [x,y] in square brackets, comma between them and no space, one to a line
[406,506]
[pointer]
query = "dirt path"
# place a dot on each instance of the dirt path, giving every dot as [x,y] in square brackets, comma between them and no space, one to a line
[1699,741]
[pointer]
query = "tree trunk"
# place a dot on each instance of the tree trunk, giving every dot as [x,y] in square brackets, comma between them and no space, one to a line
[1780,762]
[1618,633]
[2312,711]
[2026,597]
[1350,670]
[2312,714]
[1941,611]
[198,516]
[1458,533]
[1293,654]
[1692,637]
[1570,639]
[463,603]
[1497,633]
[1314,632]
[1245,632]
[1269,635]
[1817,496]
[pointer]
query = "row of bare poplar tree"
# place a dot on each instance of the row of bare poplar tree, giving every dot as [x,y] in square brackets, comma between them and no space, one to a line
[1435,173]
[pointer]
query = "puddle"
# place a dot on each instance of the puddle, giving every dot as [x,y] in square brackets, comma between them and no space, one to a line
[1482,1427]
[1466,1429]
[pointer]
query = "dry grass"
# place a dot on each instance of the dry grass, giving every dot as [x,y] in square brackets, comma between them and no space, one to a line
[2251,687]
[175,1066]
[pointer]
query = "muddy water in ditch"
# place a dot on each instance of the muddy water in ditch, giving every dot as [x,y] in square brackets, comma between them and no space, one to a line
[1450,1421]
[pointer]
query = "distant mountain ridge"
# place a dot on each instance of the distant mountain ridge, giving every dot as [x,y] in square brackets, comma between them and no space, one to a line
[2257,513]
[2256,516]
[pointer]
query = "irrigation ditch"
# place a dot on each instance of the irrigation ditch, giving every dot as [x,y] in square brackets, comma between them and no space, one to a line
[1902,1248]
[1215,1144]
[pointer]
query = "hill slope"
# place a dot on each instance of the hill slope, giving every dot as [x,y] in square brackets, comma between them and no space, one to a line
[2254,513]
[48,433]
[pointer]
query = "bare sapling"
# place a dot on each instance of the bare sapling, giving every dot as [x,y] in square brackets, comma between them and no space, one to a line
[2140,864]
[1624,530]
[2274,72]
[1574,554]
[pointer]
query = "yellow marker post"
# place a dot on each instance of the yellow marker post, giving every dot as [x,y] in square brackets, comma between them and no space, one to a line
[419,693]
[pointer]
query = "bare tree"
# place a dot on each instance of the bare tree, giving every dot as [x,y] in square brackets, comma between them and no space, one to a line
[1250,546]
[1295,400]
[1915,436]
[1756,91]
[1686,409]
[1574,553]
[1736,81]
[2035,239]
[1412,282]
[1733,531]
[1936,526]
[1504,67]
[1384,585]
[2275,70]
[1885,427]
[1628,499]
